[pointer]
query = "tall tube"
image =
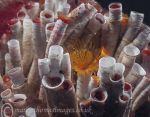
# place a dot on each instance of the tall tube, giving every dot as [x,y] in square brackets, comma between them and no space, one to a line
[96,102]
[17,76]
[128,57]
[57,34]
[115,17]
[8,64]
[135,22]
[27,46]
[135,75]
[106,65]
[39,43]
[143,96]
[66,66]
[117,80]
[14,51]
[140,87]
[60,95]
[123,102]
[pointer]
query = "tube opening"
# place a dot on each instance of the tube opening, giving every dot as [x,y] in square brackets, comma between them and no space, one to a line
[53,82]
[116,77]
[131,50]
[55,51]
[21,14]
[124,98]
[13,43]
[106,62]
[127,86]
[100,17]
[47,14]
[6,93]
[115,11]
[19,99]
[115,6]
[99,95]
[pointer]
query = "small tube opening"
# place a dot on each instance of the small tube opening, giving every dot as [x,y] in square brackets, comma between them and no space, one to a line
[6,94]
[114,6]
[124,98]
[99,95]
[127,86]
[116,77]
[53,82]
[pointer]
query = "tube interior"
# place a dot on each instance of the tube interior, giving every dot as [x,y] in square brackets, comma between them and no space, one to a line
[53,82]
[124,98]
[115,6]
[99,95]
[127,86]
[116,77]
[19,98]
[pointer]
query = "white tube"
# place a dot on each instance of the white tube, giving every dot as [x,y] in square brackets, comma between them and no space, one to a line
[43,66]
[17,76]
[106,65]
[14,51]
[128,57]
[135,75]
[55,55]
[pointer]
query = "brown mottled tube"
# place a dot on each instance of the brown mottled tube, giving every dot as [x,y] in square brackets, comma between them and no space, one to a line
[128,57]
[14,51]
[117,80]
[56,35]
[143,96]
[93,28]
[60,95]
[27,46]
[16,28]
[83,13]
[127,88]
[140,87]
[33,81]
[135,22]
[17,76]
[39,43]
[96,102]
[135,75]
[115,17]
[123,102]
[106,65]
[66,66]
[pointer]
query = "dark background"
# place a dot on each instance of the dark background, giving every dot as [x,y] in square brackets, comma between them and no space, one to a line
[142,6]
